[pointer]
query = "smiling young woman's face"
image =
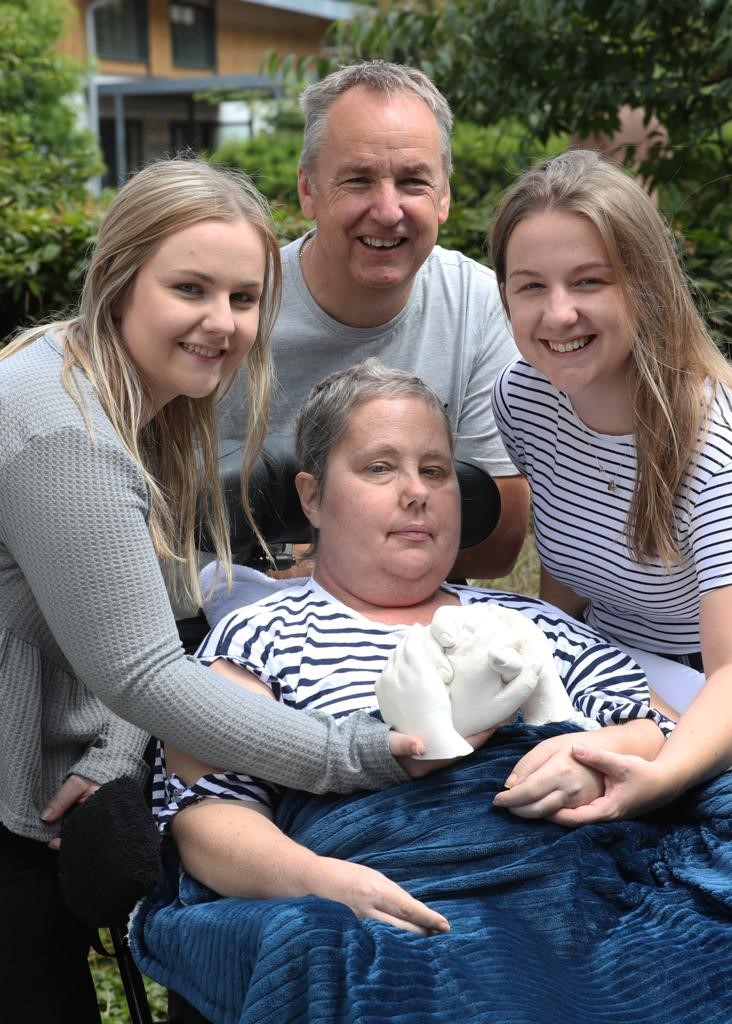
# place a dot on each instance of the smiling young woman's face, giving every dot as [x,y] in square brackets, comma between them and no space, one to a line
[388,511]
[566,307]
[192,312]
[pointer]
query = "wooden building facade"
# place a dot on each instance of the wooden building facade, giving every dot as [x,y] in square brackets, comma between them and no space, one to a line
[148,59]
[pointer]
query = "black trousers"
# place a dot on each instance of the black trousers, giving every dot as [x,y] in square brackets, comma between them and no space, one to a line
[44,974]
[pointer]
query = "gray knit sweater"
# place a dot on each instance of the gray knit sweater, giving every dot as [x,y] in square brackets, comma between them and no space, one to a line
[85,622]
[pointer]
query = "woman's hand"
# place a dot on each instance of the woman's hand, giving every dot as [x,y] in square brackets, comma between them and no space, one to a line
[237,850]
[370,894]
[631,786]
[75,790]
[406,748]
[548,779]
[556,782]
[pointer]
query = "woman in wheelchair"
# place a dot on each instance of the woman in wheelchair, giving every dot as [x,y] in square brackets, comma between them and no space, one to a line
[377,484]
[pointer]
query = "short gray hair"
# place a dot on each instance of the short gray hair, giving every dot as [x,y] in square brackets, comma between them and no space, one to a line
[327,411]
[380,76]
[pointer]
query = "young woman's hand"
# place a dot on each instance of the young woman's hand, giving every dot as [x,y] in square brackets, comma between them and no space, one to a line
[75,790]
[548,779]
[370,894]
[631,786]
[404,748]
[554,781]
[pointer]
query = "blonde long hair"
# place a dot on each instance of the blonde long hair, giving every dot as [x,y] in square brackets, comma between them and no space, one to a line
[176,449]
[673,352]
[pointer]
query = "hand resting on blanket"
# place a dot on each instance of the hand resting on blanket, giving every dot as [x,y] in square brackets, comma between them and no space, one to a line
[237,850]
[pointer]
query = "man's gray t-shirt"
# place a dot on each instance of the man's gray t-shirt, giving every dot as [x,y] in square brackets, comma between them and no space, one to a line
[452,333]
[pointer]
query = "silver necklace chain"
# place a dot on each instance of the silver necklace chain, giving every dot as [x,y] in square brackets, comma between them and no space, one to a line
[611,481]
[303,247]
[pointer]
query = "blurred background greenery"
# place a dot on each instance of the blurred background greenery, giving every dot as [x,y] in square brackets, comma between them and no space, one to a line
[524,77]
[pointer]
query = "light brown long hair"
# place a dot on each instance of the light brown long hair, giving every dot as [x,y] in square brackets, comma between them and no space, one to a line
[673,352]
[176,449]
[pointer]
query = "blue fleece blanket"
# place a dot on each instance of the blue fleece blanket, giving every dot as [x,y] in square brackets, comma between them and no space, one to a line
[610,924]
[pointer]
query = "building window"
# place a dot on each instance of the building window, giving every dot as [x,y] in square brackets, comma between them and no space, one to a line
[121,29]
[193,34]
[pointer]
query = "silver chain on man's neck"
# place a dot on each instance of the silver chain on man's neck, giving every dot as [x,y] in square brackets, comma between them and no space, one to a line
[303,247]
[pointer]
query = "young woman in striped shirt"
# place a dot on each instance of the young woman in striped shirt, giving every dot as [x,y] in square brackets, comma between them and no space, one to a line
[619,414]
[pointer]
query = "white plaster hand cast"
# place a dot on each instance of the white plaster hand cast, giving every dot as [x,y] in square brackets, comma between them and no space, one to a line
[471,669]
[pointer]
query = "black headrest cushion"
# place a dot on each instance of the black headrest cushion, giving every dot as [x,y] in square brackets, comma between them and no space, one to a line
[276,505]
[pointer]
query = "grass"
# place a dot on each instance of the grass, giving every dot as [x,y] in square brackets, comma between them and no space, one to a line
[525,576]
[111,995]
[112,1003]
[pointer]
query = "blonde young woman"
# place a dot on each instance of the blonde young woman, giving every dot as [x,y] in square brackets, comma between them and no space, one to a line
[101,418]
[620,415]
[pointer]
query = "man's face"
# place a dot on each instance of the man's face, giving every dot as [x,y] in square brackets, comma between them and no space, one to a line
[378,191]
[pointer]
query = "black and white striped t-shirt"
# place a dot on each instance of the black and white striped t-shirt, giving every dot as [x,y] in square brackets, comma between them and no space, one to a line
[314,652]
[582,484]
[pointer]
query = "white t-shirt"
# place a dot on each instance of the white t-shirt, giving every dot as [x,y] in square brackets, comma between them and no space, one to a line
[452,333]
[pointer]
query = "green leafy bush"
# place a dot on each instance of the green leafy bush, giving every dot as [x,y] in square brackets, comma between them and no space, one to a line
[42,253]
[270,159]
[47,218]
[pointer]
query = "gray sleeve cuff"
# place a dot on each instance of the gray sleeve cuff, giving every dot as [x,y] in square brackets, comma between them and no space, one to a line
[119,751]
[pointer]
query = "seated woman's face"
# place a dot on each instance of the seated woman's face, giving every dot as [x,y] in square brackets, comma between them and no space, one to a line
[388,511]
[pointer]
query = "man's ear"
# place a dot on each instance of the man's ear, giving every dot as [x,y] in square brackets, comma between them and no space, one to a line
[443,205]
[308,489]
[306,192]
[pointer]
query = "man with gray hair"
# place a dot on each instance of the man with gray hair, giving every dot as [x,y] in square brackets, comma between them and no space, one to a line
[369,279]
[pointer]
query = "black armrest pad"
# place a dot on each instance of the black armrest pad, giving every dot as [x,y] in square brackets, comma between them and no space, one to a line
[110,853]
[480,505]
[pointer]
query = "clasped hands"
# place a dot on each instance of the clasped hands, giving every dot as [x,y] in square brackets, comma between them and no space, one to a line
[468,671]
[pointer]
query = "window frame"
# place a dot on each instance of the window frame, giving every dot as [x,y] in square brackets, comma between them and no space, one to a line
[209,11]
[139,10]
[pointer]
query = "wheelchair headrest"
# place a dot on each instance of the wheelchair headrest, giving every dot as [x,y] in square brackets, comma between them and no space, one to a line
[276,505]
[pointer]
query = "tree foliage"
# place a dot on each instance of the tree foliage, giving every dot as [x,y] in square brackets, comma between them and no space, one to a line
[47,218]
[565,65]
[568,66]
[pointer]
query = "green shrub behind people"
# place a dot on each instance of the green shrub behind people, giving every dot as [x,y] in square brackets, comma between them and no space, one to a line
[483,157]
[47,217]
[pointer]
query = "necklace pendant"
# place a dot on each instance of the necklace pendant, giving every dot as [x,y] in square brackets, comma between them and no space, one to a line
[611,485]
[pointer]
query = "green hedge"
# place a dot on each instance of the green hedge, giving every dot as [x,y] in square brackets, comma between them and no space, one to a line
[485,158]
[42,255]
[47,219]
